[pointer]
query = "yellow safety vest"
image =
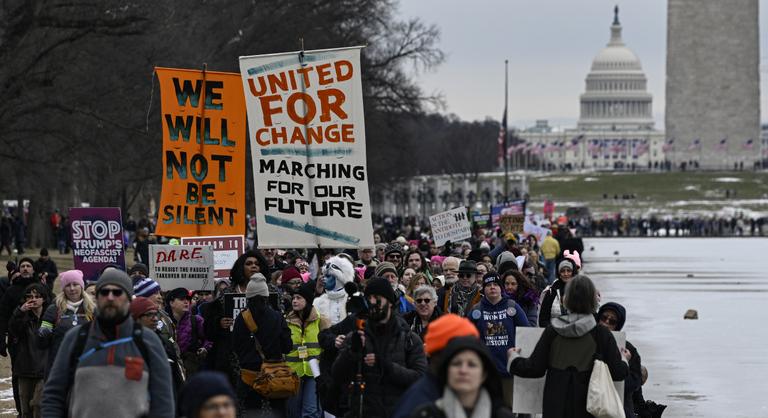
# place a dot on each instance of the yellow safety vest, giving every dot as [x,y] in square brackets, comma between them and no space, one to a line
[298,359]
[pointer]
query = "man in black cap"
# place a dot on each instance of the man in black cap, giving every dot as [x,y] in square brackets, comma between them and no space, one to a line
[394,254]
[138,272]
[384,355]
[457,298]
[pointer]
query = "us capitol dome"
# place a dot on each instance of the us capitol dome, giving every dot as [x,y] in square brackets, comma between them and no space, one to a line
[616,96]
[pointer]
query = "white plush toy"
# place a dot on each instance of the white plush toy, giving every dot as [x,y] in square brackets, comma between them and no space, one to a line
[332,304]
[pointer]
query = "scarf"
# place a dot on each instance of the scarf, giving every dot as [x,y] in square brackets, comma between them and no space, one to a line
[74,306]
[452,408]
[461,298]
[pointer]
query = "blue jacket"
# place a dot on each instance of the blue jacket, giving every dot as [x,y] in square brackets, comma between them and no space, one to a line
[424,391]
[496,324]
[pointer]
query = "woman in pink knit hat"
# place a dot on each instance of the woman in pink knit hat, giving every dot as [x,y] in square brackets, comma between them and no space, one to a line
[72,306]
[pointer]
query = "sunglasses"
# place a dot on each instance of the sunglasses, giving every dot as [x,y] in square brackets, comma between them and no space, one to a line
[463,275]
[115,292]
[423,301]
[608,320]
[394,256]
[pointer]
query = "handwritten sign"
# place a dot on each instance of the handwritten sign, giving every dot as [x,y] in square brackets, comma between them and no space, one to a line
[452,225]
[203,116]
[307,127]
[226,250]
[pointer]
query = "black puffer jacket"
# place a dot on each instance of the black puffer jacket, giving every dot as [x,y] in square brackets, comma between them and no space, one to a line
[29,360]
[400,361]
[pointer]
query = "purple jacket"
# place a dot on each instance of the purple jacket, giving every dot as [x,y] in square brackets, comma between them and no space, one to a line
[184,333]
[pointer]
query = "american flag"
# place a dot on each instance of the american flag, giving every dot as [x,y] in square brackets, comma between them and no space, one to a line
[668,144]
[641,148]
[594,146]
[722,145]
[749,145]
[539,148]
[502,137]
[695,144]
[618,146]
[552,147]
[574,144]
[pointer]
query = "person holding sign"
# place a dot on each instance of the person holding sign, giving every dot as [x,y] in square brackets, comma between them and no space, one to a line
[218,322]
[566,352]
[189,330]
[305,324]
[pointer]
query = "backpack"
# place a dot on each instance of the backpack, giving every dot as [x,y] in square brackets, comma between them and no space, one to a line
[275,380]
[82,338]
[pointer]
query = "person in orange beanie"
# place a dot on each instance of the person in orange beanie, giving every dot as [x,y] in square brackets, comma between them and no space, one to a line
[427,389]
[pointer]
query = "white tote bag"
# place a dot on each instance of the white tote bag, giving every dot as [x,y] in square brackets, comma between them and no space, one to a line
[602,399]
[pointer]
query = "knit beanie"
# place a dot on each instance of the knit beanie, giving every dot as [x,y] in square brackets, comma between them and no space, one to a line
[290,273]
[141,305]
[71,276]
[307,291]
[117,278]
[393,248]
[567,263]
[385,267]
[201,387]
[381,287]
[443,329]
[492,277]
[505,261]
[146,287]
[139,268]
[257,286]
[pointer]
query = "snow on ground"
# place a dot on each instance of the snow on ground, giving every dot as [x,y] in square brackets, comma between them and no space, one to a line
[727,180]
[711,367]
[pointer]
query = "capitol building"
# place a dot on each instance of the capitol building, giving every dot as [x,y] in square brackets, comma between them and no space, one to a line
[615,128]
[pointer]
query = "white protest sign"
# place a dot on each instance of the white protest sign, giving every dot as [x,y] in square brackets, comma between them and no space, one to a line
[528,395]
[452,225]
[187,266]
[307,127]
[226,250]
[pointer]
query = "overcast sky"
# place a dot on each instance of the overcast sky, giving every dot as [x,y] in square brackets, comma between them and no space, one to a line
[550,45]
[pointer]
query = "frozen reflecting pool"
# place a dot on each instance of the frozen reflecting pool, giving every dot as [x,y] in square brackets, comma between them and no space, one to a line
[716,366]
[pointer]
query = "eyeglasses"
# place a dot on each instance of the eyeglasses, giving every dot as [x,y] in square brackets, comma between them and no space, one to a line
[423,301]
[149,315]
[115,292]
[608,320]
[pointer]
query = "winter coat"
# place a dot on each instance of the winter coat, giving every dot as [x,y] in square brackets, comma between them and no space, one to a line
[552,295]
[400,361]
[144,384]
[333,394]
[550,248]
[448,300]
[54,327]
[426,390]
[414,321]
[272,333]
[221,357]
[184,334]
[497,325]
[29,360]
[565,353]
[12,298]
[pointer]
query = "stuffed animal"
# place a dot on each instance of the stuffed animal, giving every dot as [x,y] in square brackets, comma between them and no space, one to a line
[337,272]
[573,256]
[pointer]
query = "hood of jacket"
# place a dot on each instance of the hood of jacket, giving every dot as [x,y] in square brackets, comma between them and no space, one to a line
[621,313]
[574,325]
[293,318]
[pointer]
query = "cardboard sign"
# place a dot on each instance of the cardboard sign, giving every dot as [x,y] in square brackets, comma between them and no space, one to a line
[307,127]
[203,116]
[187,266]
[516,207]
[452,225]
[226,250]
[97,240]
[511,223]
[234,303]
[528,395]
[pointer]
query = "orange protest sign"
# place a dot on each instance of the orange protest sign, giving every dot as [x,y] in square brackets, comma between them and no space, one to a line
[203,117]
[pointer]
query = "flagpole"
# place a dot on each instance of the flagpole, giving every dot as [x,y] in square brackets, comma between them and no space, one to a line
[506,132]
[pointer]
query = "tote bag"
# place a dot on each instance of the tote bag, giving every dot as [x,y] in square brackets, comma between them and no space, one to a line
[602,399]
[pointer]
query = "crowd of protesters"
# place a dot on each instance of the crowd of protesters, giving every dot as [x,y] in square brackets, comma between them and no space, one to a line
[402,329]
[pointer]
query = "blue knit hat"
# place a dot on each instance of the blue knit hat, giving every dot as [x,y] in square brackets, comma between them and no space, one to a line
[146,287]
